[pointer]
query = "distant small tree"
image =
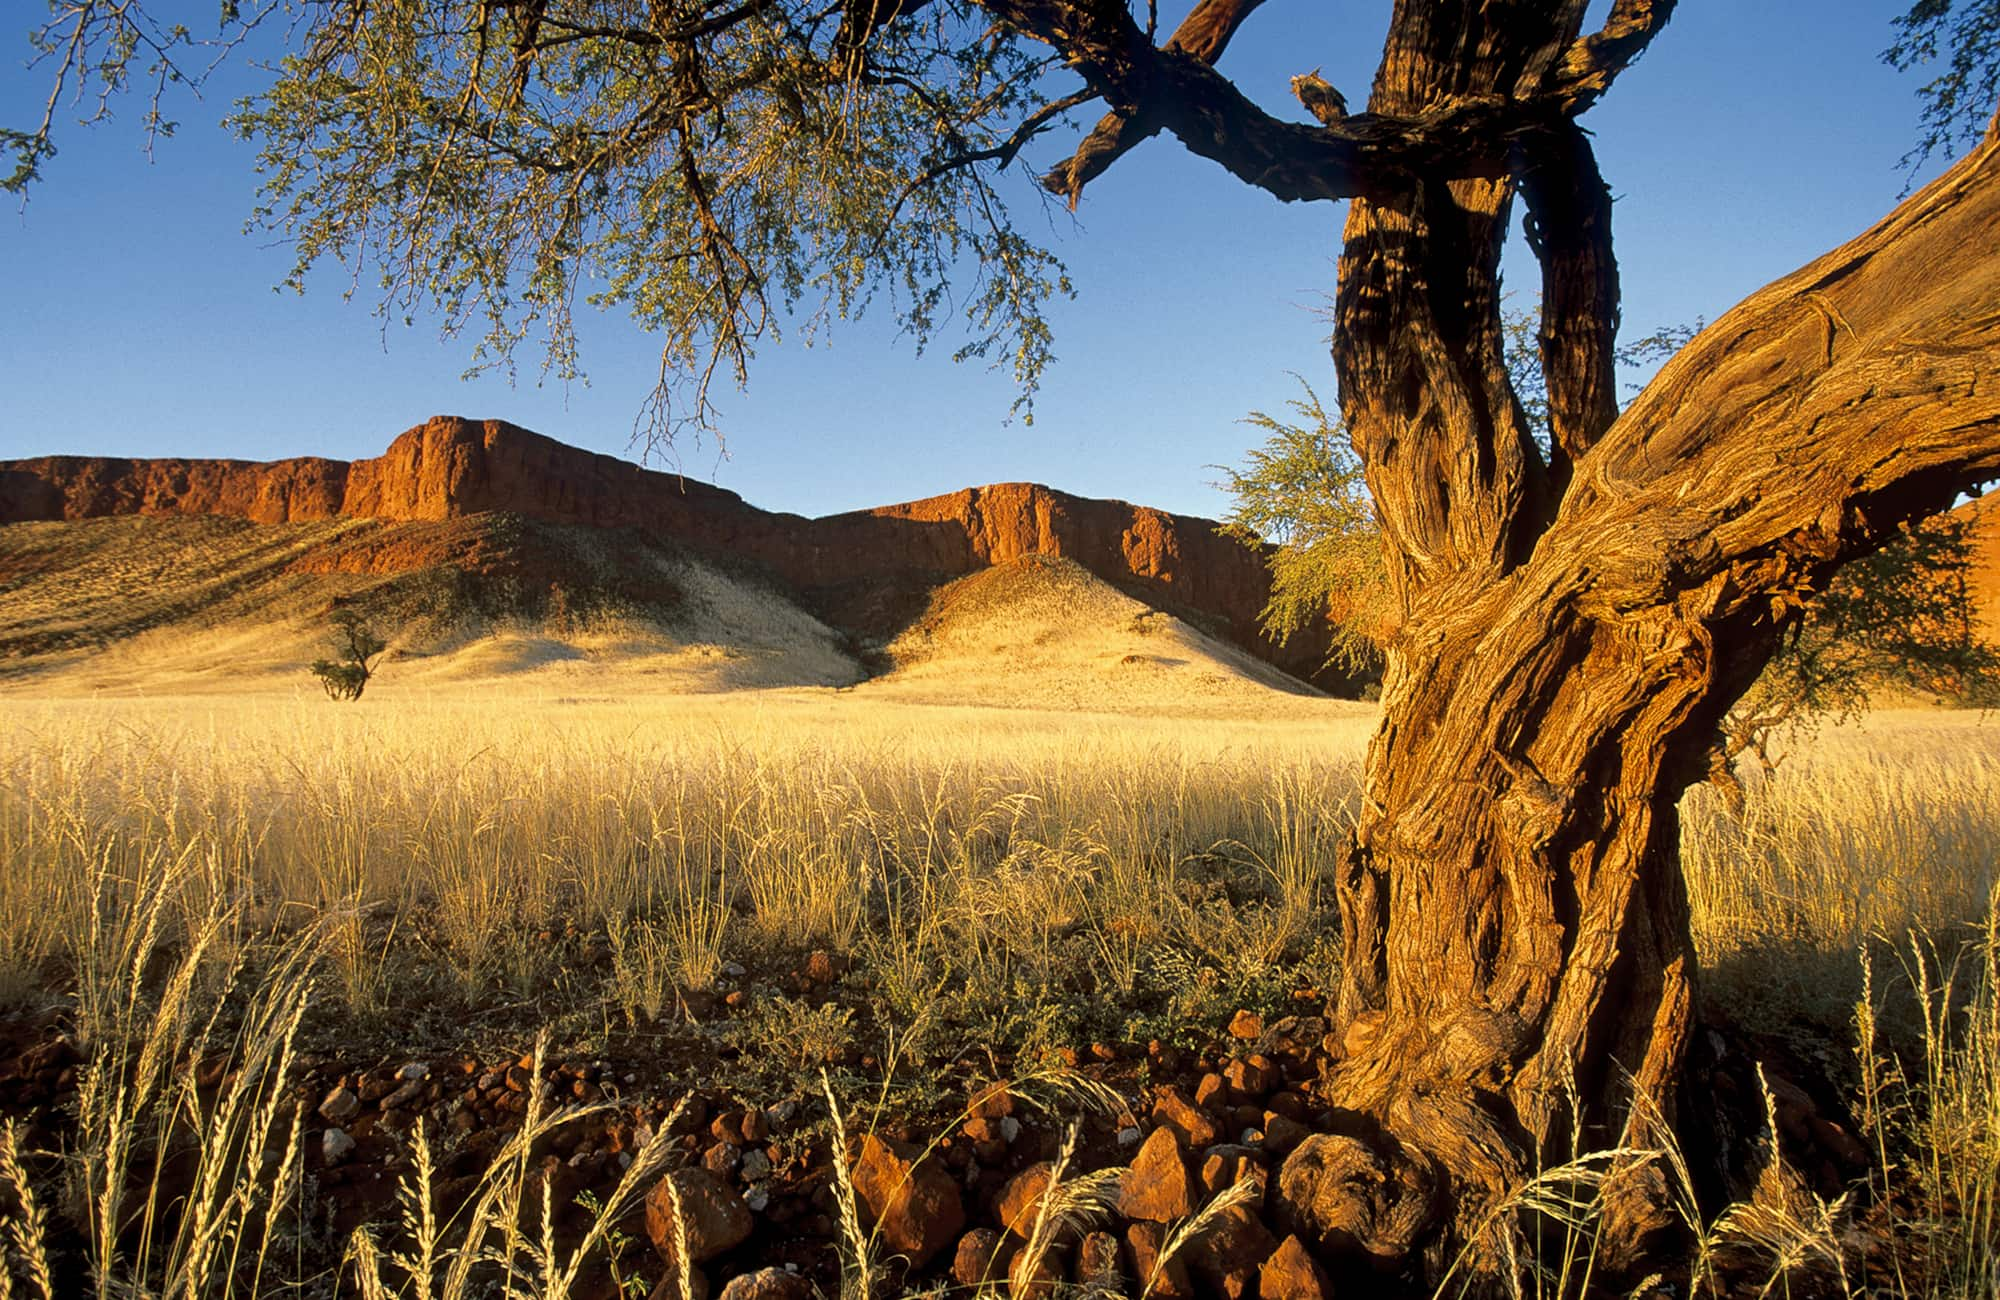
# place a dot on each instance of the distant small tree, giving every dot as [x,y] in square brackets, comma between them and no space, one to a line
[356,644]
[1304,490]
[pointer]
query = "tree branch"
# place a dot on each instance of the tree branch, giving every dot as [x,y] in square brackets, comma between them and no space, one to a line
[1569,228]
[1202,35]
[1804,427]
[1590,65]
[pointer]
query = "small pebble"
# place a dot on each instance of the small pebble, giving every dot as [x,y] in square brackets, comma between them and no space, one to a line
[1129,1136]
[756,1166]
[414,1070]
[336,1146]
[1010,1129]
[732,969]
[757,1198]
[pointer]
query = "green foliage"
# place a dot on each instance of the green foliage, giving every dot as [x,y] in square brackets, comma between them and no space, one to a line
[356,643]
[1903,617]
[715,179]
[1304,490]
[1958,101]
[718,170]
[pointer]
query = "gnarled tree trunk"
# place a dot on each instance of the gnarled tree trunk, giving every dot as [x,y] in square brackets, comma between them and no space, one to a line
[1574,625]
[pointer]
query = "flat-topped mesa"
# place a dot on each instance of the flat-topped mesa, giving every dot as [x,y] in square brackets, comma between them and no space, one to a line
[850,567]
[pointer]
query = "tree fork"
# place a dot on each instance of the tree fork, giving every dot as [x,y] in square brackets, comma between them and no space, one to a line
[1516,922]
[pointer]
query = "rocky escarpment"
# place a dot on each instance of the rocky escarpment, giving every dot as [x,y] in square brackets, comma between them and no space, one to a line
[868,571]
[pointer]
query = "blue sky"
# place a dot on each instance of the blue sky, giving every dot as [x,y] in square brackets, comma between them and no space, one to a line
[138,319]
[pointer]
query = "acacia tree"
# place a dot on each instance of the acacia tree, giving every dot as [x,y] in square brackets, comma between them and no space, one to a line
[1569,624]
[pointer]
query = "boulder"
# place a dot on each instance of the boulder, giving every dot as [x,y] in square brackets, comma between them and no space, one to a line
[912,1205]
[712,1215]
[1291,1273]
[1157,1186]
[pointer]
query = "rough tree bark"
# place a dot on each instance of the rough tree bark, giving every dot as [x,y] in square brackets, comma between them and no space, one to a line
[1518,956]
[1575,620]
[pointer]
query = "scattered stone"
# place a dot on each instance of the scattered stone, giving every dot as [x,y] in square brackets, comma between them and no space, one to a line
[1020,1201]
[722,1159]
[982,1256]
[1291,1273]
[756,1166]
[715,1218]
[914,1207]
[1151,1277]
[758,1198]
[1035,1277]
[1097,1259]
[1128,1137]
[1227,1165]
[340,1106]
[1195,1126]
[335,1146]
[403,1096]
[1290,1105]
[1246,1025]
[1253,1076]
[669,1286]
[1010,1129]
[1157,1186]
[1228,1255]
[993,1101]
[1281,1135]
[732,970]
[1211,1092]
[414,1070]
[767,1284]
[819,967]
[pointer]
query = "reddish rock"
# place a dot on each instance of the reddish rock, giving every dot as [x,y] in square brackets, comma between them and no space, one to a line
[1212,1093]
[850,567]
[982,1256]
[1281,1134]
[1157,1186]
[1228,1165]
[1152,1277]
[1246,1025]
[1291,1273]
[1036,1276]
[1226,1257]
[1194,1125]
[1253,1076]
[1098,1263]
[992,1102]
[1019,1204]
[714,1216]
[914,1207]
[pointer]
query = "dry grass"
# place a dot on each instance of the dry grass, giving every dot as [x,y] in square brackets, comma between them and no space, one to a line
[1031,868]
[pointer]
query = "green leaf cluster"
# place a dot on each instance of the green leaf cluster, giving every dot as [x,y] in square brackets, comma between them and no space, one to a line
[1301,499]
[720,170]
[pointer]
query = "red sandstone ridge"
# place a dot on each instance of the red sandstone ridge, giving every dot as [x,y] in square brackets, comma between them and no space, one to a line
[863,570]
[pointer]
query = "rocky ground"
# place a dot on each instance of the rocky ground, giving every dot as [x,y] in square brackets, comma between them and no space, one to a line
[951,1197]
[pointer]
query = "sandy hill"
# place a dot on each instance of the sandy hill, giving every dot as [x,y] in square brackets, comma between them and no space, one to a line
[489,549]
[199,603]
[1047,633]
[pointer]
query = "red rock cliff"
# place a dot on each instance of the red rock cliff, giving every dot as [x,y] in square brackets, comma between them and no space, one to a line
[859,569]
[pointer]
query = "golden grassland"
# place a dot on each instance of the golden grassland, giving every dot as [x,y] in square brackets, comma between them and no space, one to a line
[490,863]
